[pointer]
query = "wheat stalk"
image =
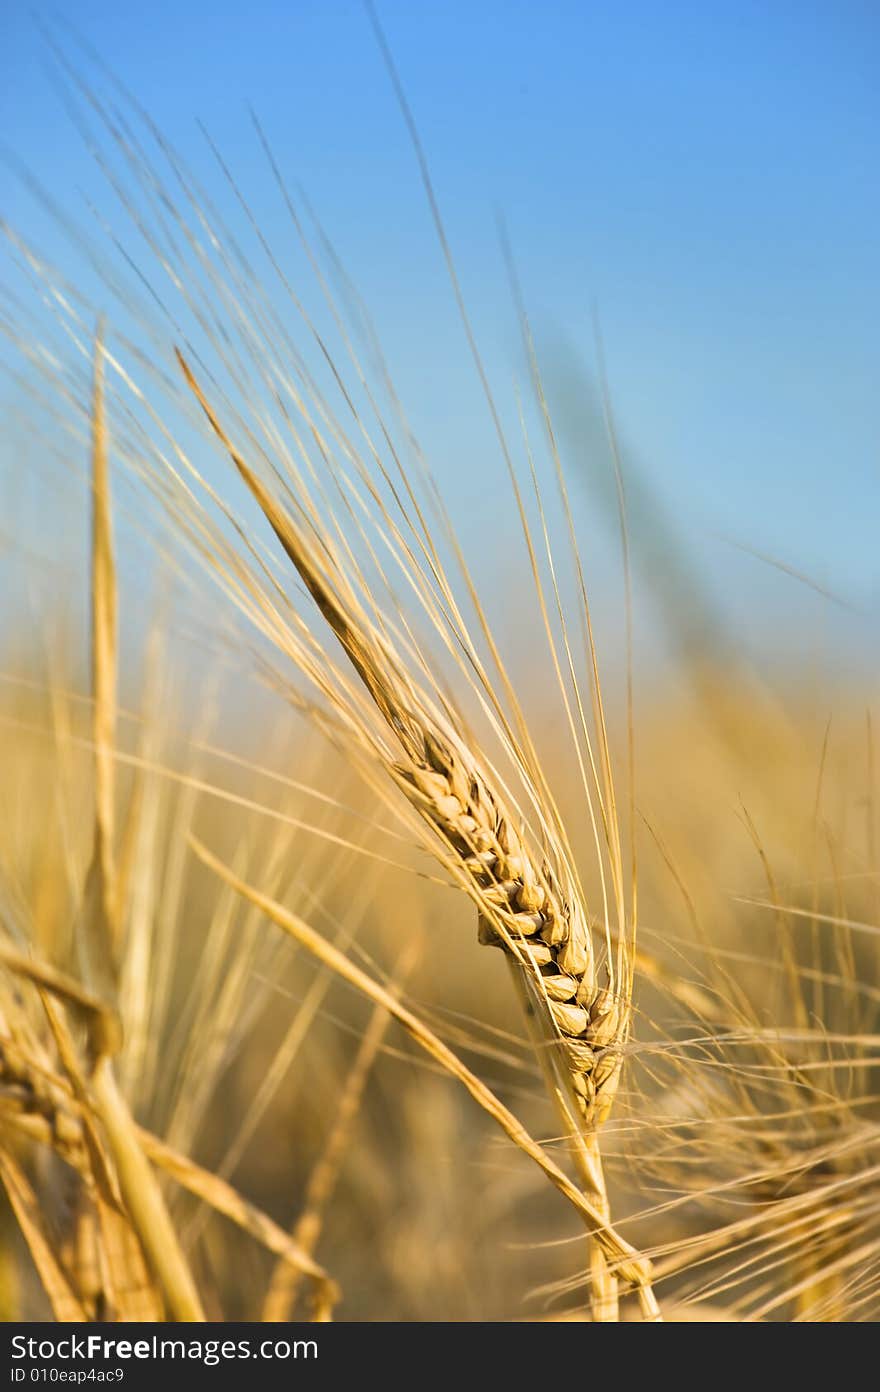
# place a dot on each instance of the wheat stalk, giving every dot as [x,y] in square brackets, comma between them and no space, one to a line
[40,1105]
[525,904]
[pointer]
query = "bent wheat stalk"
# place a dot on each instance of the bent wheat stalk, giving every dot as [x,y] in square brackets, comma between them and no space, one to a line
[526,903]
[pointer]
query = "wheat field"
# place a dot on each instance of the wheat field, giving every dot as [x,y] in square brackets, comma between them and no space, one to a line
[285,750]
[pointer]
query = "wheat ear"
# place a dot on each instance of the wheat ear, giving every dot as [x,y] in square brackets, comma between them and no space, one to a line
[521,904]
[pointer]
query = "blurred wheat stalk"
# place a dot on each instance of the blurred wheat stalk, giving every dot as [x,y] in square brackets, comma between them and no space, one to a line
[121,1258]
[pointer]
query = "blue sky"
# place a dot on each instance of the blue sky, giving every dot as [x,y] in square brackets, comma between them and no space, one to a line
[704,173]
